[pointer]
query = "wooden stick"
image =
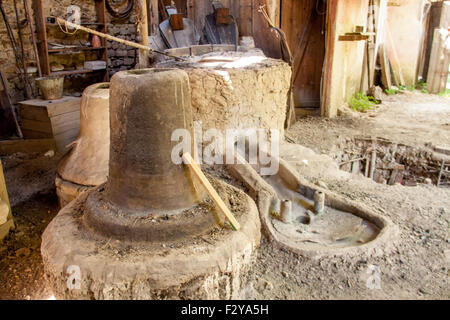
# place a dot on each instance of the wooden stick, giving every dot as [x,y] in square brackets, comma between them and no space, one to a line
[395,56]
[142,27]
[112,38]
[440,173]
[373,161]
[33,38]
[211,191]
[8,97]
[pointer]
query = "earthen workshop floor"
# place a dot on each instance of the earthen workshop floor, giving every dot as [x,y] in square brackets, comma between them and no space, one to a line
[415,265]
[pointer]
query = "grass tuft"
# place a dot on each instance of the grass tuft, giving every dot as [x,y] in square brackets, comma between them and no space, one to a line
[445,93]
[361,102]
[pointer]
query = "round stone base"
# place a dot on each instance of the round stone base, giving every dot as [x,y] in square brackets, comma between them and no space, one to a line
[82,264]
[68,191]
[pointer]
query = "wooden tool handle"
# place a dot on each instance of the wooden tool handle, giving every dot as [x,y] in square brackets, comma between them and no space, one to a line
[211,191]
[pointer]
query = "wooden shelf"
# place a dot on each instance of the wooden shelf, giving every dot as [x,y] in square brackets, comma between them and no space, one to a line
[42,41]
[48,24]
[355,36]
[72,72]
[74,50]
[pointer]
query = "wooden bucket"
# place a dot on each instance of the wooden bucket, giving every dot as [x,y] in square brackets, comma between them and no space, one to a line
[51,87]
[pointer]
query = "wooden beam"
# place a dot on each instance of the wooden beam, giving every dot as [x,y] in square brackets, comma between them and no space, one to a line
[353,37]
[211,191]
[41,31]
[9,224]
[153,17]
[380,22]
[325,105]
[396,66]
[142,30]
[385,68]
[8,147]
[439,62]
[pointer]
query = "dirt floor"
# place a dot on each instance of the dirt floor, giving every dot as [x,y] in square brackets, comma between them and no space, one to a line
[414,266]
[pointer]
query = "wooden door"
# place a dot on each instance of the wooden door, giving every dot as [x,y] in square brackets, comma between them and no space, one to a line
[304,25]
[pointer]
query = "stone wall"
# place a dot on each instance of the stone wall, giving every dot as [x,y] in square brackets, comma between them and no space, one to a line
[120,57]
[7,59]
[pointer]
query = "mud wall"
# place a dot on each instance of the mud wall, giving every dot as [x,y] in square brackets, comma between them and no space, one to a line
[344,58]
[241,98]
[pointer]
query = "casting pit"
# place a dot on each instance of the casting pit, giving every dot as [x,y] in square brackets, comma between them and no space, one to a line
[86,164]
[150,232]
[320,222]
[390,163]
[237,90]
[331,228]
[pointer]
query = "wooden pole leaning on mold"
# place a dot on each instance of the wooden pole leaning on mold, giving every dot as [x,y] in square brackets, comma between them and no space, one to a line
[142,26]
[187,158]
[62,22]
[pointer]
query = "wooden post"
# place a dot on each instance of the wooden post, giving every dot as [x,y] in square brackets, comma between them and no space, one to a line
[27,8]
[5,226]
[385,67]
[330,41]
[191,9]
[398,74]
[41,31]
[142,30]
[373,162]
[439,62]
[153,17]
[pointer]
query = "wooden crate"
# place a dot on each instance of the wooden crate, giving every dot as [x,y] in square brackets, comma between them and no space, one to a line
[5,227]
[58,119]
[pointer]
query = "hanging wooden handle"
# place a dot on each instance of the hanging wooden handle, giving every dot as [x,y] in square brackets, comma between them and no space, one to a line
[211,191]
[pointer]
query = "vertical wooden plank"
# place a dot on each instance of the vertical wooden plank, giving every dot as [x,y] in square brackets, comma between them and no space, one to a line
[385,68]
[234,9]
[202,9]
[5,227]
[331,36]
[434,20]
[100,9]
[396,66]
[153,17]
[190,9]
[277,19]
[381,14]
[439,62]
[302,23]
[142,30]
[370,43]
[245,18]
[38,8]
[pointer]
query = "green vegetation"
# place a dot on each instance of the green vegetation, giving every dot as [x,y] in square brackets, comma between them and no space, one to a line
[361,102]
[391,91]
[421,85]
[445,93]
